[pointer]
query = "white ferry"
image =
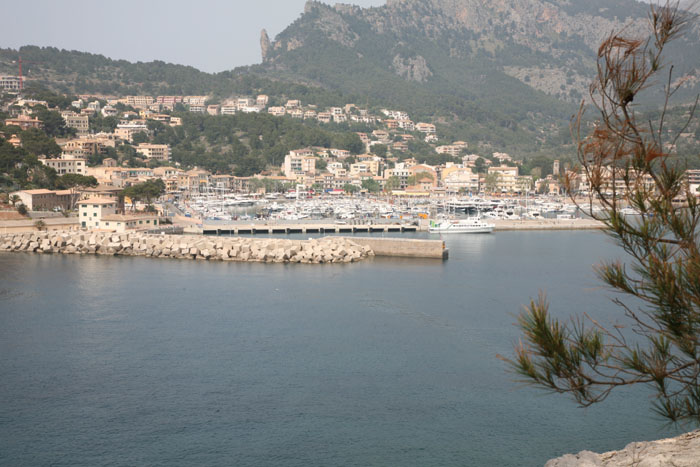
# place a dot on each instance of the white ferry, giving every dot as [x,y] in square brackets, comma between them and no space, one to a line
[470,225]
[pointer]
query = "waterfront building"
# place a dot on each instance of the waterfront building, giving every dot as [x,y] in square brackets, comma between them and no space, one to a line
[507,180]
[296,164]
[457,178]
[46,200]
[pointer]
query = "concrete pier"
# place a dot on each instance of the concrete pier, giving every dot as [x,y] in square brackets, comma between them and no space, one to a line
[404,247]
[303,228]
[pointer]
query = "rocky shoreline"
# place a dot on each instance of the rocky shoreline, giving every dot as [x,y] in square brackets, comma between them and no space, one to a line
[269,250]
[681,451]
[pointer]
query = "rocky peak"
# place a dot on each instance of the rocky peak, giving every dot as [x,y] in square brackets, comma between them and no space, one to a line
[264,44]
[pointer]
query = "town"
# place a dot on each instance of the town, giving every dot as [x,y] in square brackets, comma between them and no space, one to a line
[108,193]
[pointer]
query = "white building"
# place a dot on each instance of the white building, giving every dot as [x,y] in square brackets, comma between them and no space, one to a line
[295,165]
[10,83]
[80,122]
[91,211]
[66,165]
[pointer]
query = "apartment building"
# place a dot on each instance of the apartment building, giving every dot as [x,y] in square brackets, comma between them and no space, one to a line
[228,109]
[457,178]
[427,128]
[262,100]
[66,165]
[139,102]
[159,152]
[126,131]
[508,177]
[295,165]
[25,122]
[10,83]
[81,123]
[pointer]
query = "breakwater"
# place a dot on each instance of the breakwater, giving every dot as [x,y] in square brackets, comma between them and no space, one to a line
[325,250]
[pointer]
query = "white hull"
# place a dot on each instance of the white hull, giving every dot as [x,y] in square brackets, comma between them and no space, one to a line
[461,226]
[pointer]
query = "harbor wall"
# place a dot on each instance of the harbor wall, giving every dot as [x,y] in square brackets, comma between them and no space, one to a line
[325,250]
[404,247]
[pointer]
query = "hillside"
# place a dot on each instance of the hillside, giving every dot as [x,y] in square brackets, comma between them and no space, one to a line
[74,72]
[505,73]
[502,75]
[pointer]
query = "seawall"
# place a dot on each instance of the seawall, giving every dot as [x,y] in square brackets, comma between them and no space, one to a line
[325,250]
[403,247]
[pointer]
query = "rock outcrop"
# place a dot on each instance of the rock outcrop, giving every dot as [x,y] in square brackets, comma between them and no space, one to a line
[681,451]
[268,250]
[264,44]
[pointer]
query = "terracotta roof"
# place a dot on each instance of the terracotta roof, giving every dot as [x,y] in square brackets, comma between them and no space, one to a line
[98,201]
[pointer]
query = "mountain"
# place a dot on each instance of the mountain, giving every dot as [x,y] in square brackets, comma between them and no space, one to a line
[502,75]
[502,72]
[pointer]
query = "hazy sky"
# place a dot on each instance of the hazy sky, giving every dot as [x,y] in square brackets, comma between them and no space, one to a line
[212,35]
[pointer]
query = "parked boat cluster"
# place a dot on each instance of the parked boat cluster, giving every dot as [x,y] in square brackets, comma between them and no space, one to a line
[325,250]
[232,208]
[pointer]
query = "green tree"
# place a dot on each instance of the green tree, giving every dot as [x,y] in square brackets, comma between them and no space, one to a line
[35,141]
[140,137]
[350,188]
[659,343]
[14,199]
[380,150]
[74,182]
[480,165]
[53,123]
[491,182]
[392,183]
[371,185]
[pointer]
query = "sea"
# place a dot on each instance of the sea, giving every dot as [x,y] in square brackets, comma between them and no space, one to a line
[126,361]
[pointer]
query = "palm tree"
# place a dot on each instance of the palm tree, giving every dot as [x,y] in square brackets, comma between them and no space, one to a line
[14,199]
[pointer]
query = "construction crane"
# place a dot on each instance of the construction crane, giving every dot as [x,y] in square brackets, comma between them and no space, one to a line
[21,77]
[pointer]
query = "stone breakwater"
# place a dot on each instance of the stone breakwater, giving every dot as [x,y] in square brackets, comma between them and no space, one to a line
[324,250]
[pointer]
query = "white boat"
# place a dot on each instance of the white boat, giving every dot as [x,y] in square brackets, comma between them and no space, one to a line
[470,225]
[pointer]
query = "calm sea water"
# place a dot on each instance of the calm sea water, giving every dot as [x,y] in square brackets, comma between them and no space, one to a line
[132,361]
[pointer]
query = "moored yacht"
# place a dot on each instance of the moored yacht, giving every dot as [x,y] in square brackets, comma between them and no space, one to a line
[469,225]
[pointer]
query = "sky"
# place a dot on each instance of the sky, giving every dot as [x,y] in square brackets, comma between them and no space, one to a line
[211,35]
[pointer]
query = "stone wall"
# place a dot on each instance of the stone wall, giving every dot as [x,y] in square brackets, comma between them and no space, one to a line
[325,250]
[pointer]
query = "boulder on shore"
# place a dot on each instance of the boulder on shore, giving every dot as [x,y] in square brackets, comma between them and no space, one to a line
[326,250]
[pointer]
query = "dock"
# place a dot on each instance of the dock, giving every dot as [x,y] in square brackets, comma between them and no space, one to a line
[300,228]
